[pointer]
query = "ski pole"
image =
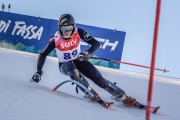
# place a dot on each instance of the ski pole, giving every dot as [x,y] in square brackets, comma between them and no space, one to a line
[121,62]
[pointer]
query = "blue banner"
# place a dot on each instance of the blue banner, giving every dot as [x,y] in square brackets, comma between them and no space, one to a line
[31,34]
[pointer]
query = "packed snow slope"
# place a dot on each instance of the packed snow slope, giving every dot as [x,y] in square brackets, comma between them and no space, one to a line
[22,100]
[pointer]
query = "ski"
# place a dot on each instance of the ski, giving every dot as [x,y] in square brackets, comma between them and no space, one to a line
[152,108]
[103,103]
[107,104]
[98,100]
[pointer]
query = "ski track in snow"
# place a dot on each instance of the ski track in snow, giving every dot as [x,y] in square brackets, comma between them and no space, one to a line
[21,99]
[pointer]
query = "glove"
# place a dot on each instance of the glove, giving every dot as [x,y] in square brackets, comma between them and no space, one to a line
[37,76]
[84,56]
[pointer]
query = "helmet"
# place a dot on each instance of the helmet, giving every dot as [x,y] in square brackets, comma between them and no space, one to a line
[66,20]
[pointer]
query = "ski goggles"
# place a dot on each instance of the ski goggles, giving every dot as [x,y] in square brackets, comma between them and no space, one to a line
[67,28]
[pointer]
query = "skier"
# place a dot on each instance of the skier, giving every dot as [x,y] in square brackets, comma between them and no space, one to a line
[74,63]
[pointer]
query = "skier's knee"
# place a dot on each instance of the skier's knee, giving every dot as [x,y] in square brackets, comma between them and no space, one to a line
[73,74]
[65,67]
[76,75]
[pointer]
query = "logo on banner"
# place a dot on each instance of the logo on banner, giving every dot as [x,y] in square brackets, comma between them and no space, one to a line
[4,26]
[105,43]
[20,28]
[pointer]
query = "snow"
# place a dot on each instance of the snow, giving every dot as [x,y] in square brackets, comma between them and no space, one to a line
[22,100]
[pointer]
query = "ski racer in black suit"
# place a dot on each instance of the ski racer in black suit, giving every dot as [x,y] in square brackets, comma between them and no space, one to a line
[74,63]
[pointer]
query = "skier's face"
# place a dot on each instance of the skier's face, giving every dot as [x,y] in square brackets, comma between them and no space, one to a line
[67,31]
[67,34]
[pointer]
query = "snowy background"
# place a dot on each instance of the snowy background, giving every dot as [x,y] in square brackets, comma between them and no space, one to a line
[22,100]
